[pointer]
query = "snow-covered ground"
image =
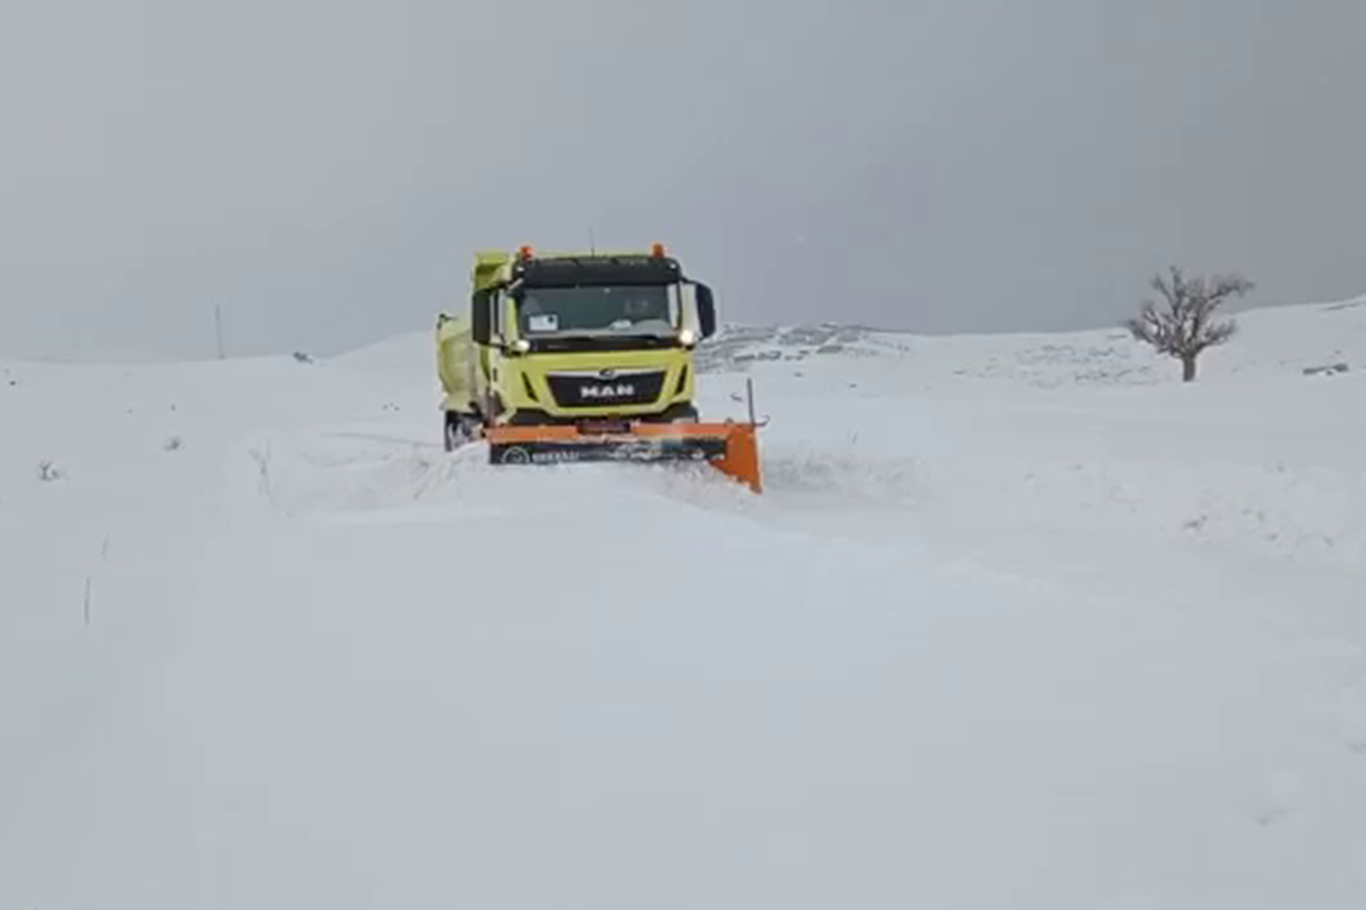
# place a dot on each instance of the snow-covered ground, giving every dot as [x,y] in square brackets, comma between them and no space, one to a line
[1020,621]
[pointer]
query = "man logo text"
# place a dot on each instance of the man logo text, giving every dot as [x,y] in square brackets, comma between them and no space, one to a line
[620,390]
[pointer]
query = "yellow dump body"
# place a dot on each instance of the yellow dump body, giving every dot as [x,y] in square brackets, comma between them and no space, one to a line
[456,356]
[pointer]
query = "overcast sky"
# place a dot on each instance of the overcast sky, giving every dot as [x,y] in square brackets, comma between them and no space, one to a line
[323,169]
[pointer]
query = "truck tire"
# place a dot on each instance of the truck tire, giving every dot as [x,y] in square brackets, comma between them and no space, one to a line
[450,432]
[457,430]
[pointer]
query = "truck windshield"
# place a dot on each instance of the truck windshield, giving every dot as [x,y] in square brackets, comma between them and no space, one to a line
[616,310]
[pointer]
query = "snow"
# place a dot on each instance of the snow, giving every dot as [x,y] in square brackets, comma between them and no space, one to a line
[1021,620]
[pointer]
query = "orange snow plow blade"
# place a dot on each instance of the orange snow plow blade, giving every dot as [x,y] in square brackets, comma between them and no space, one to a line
[732,448]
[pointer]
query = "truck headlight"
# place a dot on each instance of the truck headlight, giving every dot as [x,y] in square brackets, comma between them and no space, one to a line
[521,346]
[687,338]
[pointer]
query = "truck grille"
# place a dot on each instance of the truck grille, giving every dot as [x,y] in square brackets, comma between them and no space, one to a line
[594,390]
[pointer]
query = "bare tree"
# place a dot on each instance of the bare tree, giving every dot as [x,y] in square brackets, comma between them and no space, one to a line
[1183,324]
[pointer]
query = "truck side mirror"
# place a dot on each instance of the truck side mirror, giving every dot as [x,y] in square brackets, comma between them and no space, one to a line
[481,317]
[706,311]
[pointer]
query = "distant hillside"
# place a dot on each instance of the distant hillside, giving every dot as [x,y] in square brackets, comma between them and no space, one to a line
[1323,339]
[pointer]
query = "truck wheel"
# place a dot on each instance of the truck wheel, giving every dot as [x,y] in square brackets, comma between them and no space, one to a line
[450,433]
[459,429]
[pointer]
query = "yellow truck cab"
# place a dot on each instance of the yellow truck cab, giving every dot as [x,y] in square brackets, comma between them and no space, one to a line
[580,339]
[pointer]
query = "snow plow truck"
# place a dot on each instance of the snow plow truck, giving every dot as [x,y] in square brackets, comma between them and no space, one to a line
[573,357]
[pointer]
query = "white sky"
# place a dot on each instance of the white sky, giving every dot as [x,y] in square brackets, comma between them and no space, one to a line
[323,170]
